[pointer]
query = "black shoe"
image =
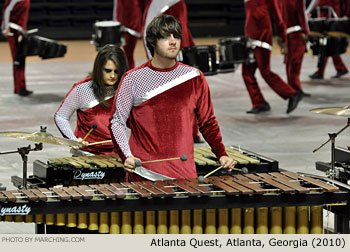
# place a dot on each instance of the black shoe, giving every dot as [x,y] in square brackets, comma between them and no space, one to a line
[263,108]
[316,76]
[198,140]
[305,94]
[339,74]
[294,100]
[24,92]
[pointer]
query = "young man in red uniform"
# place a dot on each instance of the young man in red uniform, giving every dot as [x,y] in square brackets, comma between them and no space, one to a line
[258,28]
[16,11]
[293,13]
[159,101]
[337,61]
[177,9]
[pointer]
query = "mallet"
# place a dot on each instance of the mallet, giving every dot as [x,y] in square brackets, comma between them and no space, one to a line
[200,179]
[94,126]
[101,142]
[182,158]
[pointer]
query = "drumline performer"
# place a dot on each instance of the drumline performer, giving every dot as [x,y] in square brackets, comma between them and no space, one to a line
[159,101]
[294,16]
[129,13]
[92,99]
[16,11]
[337,61]
[258,27]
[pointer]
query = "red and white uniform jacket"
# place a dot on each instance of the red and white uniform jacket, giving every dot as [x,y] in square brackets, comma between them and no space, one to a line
[89,112]
[129,13]
[160,107]
[15,11]
[258,24]
[335,4]
[293,13]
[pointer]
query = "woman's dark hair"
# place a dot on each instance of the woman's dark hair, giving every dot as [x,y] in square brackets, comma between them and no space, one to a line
[161,27]
[108,52]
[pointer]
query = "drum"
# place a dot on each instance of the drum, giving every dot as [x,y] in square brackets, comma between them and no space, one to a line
[336,46]
[318,26]
[235,50]
[328,36]
[107,32]
[314,42]
[328,46]
[338,25]
[202,57]
[33,45]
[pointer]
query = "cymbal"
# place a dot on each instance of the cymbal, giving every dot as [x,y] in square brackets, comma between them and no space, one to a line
[42,137]
[338,111]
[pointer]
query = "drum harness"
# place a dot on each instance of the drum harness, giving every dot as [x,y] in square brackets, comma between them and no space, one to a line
[293,29]
[257,43]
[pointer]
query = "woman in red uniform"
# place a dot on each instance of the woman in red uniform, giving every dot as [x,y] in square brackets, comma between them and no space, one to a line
[258,28]
[16,11]
[92,99]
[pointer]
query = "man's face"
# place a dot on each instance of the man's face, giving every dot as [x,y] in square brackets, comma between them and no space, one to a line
[168,47]
[110,73]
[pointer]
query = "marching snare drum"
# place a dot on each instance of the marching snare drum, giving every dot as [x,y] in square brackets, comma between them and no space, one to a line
[318,26]
[107,32]
[338,26]
[336,46]
[235,50]
[202,57]
[328,46]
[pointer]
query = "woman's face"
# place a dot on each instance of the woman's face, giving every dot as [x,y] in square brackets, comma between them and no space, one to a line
[110,73]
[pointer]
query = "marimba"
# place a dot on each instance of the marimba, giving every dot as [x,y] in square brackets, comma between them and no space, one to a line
[276,202]
[108,168]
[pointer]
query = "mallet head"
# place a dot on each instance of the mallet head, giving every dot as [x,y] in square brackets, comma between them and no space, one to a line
[244,170]
[137,163]
[183,157]
[200,179]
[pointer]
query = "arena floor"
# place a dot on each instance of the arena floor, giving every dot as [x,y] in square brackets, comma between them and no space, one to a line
[287,138]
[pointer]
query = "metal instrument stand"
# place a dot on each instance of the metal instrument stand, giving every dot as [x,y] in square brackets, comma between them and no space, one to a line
[331,139]
[24,151]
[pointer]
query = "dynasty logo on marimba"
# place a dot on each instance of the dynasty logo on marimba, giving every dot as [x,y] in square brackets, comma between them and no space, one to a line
[16,210]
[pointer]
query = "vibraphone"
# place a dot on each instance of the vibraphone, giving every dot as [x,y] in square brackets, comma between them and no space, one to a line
[276,202]
[108,168]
